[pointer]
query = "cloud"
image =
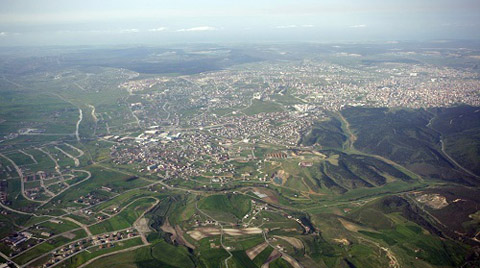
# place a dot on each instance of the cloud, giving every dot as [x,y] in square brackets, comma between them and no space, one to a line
[2,34]
[198,29]
[358,26]
[286,26]
[159,29]
[294,26]
[130,30]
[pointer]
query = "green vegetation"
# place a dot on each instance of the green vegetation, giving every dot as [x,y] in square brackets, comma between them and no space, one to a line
[460,131]
[280,263]
[241,260]
[125,218]
[327,134]
[83,257]
[350,187]
[404,137]
[261,258]
[259,106]
[228,206]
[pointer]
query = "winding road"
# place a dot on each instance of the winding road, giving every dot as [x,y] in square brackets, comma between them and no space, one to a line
[80,118]
[20,174]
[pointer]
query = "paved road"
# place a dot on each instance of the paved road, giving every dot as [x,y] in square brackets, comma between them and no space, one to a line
[8,259]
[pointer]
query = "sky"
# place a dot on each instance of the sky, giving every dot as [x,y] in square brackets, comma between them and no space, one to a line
[109,22]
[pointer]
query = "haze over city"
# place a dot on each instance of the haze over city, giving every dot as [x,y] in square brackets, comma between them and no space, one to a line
[51,22]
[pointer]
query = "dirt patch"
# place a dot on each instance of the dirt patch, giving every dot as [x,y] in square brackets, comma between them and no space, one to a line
[142,225]
[295,242]
[280,177]
[203,232]
[349,226]
[273,256]
[253,252]
[270,195]
[177,234]
[354,227]
[181,240]
[246,231]
[200,233]
[342,241]
[69,235]
[434,201]
[333,159]
[167,228]
[292,261]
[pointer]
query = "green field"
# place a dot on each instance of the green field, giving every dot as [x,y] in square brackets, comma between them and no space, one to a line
[228,207]
[125,218]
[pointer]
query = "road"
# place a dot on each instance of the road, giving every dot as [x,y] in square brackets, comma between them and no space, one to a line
[84,227]
[163,107]
[131,111]
[429,125]
[110,254]
[393,262]
[57,166]
[221,234]
[75,160]
[455,162]
[138,225]
[89,175]
[20,174]
[29,155]
[8,259]
[17,211]
[351,137]
[80,118]
[42,184]
[94,116]
[285,256]
[80,152]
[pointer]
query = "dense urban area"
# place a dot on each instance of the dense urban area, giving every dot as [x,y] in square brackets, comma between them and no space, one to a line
[265,156]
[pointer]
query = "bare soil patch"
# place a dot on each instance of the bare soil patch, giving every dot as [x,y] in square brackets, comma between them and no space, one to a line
[295,242]
[253,252]
[203,232]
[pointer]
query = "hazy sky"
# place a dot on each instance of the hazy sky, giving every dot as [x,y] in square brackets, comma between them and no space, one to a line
[65,22]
